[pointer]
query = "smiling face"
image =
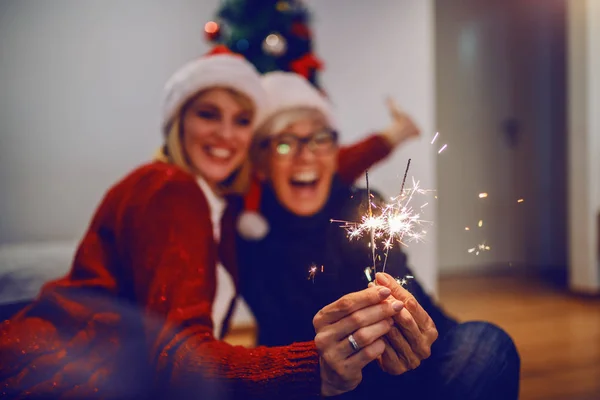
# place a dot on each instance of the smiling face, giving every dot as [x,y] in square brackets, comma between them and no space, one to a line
[217,131]
[301,160]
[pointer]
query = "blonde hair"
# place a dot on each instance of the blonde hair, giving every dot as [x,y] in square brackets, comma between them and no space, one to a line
[173,150]
[276,124]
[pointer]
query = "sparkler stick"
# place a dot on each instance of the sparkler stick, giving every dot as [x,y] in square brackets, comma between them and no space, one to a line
[404,179]
[371,217]
[389,244]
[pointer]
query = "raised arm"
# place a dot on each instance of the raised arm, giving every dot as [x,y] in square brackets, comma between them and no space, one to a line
[355,159]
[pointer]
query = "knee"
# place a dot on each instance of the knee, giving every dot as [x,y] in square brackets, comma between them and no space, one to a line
[492,341]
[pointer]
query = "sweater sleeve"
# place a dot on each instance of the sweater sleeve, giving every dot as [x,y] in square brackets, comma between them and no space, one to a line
[173,257]
[355,159]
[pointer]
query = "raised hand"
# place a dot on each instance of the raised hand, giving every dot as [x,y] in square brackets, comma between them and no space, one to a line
[402,126]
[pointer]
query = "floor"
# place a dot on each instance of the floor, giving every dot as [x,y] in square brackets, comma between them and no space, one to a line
[557,334]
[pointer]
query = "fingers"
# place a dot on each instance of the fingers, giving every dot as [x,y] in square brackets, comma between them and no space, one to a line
[341,375]
[389,361]
[422,318]
[394,109]
[349,304]
[364,337]
[414,322]
[365,317]
[419,342]
[424,321]
[366,354]
[397,290]
[408,359]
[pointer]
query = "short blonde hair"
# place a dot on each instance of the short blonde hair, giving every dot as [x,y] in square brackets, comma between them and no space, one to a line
[276,124]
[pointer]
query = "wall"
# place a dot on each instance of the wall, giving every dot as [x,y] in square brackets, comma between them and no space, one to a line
[499,62]
[584,144]
[81,88]
[371,50]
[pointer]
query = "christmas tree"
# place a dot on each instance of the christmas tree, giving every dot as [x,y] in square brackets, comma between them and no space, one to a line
[272,34]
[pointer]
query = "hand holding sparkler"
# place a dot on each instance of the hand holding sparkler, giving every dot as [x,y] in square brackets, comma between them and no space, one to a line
[349,336]
[409,341]
[402,127]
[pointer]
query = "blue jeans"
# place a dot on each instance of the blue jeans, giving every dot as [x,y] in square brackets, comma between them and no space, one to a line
[472,360]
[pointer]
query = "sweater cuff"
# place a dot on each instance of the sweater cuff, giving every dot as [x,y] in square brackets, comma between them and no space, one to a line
[303,368]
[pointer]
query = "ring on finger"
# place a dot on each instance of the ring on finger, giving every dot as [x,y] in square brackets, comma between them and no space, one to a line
[353,343]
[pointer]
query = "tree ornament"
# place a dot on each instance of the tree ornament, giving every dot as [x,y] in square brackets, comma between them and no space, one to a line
[282,6]
[275,44]
[300,30]
[212,30]
[306,64]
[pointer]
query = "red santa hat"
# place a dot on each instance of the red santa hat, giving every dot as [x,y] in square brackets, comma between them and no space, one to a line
[285,91]
[219,68]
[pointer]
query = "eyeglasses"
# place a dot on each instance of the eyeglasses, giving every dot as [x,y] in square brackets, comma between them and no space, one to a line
[287,144]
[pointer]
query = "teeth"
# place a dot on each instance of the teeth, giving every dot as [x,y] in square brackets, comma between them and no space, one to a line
[307,176]
[219,152]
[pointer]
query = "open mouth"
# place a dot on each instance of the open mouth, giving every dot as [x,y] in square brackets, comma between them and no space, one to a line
[305,180]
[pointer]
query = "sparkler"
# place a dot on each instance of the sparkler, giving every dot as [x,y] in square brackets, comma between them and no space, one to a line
[398,221]
[401,281]
[371,217]
[312,271]
[404,281]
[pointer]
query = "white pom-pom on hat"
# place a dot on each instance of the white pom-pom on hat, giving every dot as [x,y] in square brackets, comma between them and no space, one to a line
[251,224]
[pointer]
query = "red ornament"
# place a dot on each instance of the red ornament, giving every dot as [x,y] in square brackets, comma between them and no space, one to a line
[306,64]
[220,49]
[300,30]
[212,30]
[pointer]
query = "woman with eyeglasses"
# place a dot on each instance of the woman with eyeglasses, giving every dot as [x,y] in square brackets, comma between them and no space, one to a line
[303,262]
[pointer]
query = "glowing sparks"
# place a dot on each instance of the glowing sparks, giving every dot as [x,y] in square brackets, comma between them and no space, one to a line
[480,223]
[433,141]
[467,228]
[369,273]
[312,272]
[483,195]
[404,281]
[396,221]
[479,248]
[520,200]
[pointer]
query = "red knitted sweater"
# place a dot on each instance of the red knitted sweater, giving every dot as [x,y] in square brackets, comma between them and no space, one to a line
[150,251]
